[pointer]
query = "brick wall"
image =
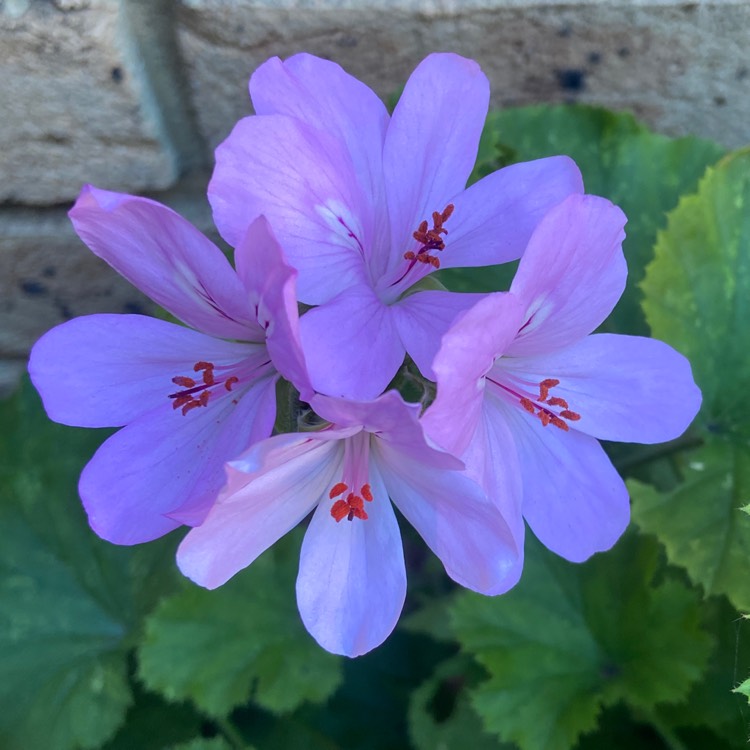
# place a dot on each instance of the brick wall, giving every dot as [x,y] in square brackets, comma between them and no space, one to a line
[133,95]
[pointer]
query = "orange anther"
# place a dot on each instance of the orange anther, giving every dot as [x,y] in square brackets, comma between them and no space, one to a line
[190,405]
[184,382]
[198,366]
[447,212]
[366,492]
[545,416]
[550,382]
[360,513]
[555,401]
[339,510]
[338,489]
[526,403]
[558,422]
[409,256]
[229,382]
[203,398]
[181,400]
[208,376]
[571,415]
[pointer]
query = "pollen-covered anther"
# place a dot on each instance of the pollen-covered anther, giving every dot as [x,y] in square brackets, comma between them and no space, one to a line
[430,239]
[196,393]
[353,506]
[545,413]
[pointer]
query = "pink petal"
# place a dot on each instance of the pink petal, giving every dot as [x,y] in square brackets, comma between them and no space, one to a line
[107,370]
[271,284]
[571,275]
[494,218]
[454,517]
[626,388]
[321,94]
[303,181]
[352,581]
[351,345]
[293,474]
[423,318]
[432,141]
[392,419]
[166,461]
[573,498]
[167,258]
[468,351]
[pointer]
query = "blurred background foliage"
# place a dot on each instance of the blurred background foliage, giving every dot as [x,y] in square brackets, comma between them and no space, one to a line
[644,646]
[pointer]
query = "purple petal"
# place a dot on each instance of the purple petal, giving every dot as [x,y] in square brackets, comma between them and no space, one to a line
[167,258]
[303,181]
[351,345]
[468,351]
[454,517]
[432,142]
[321,94]
[627,388]
[271,284]
[107,370]
[571,275]
[393,420]
[166,461]
[573,498]
[255,511]
[493,219]
[423,318]
[492,462]
[352,581]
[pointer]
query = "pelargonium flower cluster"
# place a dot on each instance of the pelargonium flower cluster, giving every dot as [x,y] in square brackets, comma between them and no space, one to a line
[331,202]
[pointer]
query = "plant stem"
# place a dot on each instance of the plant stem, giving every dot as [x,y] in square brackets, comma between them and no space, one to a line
[231,734]
[686,442]
[287,406]
[666,733]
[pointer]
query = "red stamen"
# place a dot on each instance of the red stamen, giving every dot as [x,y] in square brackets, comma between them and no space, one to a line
[339,510]
[203,398]
[337,489]
[229,382]
[558,422]
[545,416]
[555,401]
[208,376]
[528,405]
[366,492]
[198,366]
[184,382]
[571,415]
[430,239]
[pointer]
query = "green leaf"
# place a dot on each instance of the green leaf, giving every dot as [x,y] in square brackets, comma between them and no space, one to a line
[743,689]
[700,522]
[70,604]
[643,172]
[697,291]
[440,715]
[710,704]
[569,640]
[201,743]
[219,648]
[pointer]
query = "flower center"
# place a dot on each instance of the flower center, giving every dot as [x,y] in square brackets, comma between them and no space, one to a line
[546,413]
[196,393]
[430,239]
[353,505]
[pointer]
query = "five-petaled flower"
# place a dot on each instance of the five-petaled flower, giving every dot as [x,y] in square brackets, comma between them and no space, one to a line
[190,400]
[352,580]
[366,205]
[523,392]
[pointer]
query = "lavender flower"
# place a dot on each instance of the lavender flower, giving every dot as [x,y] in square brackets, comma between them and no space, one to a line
[366,205]
[190,400]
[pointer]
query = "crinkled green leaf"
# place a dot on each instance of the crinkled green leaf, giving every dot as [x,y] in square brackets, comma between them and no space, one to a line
[244,639]
[569,640]
[710,704]
[700,521]
[697,291]
[70,604]
[441,716]
[201,743]
[643,172]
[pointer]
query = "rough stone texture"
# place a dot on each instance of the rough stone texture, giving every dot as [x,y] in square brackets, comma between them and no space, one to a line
[682,67]
[70,108]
